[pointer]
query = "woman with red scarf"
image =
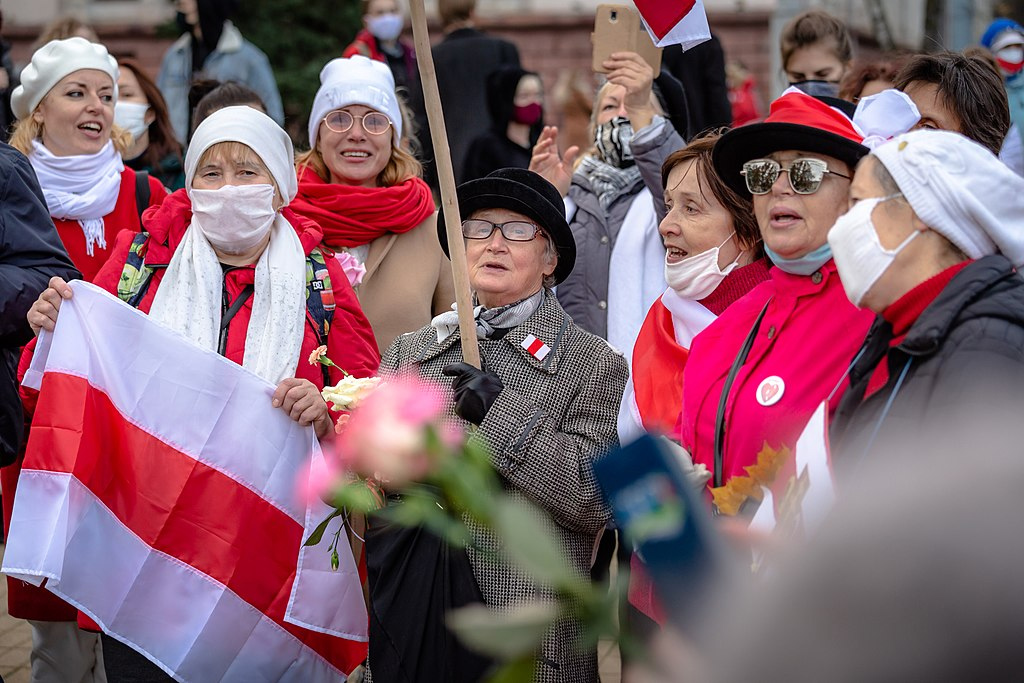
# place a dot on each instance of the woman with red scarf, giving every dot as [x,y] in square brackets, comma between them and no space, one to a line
[365,191]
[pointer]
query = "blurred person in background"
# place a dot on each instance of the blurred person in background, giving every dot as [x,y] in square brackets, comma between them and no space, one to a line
[515,99]
[932,244]
[701,70]
[8,82]
[141,111]
[866,78]
[211,47]
[380,39]
[66,26]
[463,60]
[365,191]
[959,93]
[742,94]
[816,50]
[1004,39]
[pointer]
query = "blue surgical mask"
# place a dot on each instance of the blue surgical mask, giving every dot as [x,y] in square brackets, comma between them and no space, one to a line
[802,265]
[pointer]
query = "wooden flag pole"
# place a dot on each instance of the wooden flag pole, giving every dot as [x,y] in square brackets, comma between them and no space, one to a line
[443,159]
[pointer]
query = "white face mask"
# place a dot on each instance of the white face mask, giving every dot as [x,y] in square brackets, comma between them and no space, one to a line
[234,218]
[385,26]
[132,117]
[695,277]
[859,255]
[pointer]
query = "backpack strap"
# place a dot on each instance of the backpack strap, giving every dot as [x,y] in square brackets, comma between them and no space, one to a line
[319,300]
[136,275]
[142,192]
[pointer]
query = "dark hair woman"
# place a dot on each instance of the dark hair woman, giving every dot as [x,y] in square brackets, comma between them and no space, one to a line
[141,110]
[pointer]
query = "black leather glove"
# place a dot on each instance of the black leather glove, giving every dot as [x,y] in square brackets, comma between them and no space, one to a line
[475,390]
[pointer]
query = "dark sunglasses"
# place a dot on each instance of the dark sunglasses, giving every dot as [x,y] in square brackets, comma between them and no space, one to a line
[513,231]
[373,123]
[805,175]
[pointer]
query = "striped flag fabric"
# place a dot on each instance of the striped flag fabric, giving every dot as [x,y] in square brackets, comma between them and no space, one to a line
[159,496]
[672,22]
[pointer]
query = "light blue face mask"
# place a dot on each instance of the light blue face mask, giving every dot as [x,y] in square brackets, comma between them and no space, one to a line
[802,265]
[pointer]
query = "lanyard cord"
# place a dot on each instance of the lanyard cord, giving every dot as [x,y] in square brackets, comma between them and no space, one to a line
[885,411]
[740,359]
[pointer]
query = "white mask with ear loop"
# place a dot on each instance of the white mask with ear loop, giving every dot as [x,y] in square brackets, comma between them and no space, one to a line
[234,218]
[859,255]
[697,276]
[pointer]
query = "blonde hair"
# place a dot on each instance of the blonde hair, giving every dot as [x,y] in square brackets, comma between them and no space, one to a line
[235,151]
[28,129]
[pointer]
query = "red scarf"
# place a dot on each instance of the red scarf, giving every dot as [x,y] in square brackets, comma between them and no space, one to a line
[353,216]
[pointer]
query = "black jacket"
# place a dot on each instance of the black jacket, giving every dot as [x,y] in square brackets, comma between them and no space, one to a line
[961,362]
[701,70]
[30,254]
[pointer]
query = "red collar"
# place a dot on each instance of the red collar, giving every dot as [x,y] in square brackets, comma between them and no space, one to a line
[903,312]
[735,285]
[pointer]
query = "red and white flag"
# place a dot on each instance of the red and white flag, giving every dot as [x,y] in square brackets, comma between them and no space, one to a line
[159,497]
[672,22]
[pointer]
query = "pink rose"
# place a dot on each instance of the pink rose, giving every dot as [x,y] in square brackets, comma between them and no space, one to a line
[386,435]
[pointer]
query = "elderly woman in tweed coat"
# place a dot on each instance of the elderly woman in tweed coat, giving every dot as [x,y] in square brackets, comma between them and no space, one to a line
[546,401]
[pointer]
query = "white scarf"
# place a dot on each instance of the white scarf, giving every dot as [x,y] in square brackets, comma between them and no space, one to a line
[189,300]
[82,188]
[634,279]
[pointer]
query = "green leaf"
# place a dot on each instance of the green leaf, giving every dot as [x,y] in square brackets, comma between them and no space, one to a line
[504,635]
[517,671]
[318,532]
[531,545]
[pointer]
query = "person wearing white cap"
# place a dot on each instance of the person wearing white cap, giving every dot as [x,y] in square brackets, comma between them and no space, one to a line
[932,243]
[358,182]
[65,111]
[228,265]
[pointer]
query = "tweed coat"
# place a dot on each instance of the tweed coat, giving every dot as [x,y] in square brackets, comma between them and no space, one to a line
[553,417]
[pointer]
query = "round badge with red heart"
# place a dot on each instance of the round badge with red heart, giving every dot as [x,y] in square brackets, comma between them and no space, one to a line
[770,390]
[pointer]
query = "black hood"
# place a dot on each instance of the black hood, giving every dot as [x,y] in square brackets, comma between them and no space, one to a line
[501,93]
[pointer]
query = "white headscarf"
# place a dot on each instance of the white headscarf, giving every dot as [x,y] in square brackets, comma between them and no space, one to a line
[189,298]
[960,190]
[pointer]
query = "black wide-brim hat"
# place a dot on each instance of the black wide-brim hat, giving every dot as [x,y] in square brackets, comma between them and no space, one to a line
[525,192]
[796,121]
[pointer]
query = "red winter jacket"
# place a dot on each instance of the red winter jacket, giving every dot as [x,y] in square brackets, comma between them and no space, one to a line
[125,216]
[350,344]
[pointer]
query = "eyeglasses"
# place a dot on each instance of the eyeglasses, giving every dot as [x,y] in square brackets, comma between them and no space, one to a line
[374,123]
[513,231]
[805,175]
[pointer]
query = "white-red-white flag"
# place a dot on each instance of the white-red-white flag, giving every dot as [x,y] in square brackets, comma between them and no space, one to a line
[159,496]
[672,22]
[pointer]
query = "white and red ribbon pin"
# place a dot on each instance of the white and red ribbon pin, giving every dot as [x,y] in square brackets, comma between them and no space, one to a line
[535,347]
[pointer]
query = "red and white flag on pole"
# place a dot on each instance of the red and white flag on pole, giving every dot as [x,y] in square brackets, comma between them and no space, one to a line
[672,22]
[159,496]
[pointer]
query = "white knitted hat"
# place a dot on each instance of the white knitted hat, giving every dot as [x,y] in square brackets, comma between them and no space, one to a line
[355,80]
[960,190]
[253,128]
[54,61]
